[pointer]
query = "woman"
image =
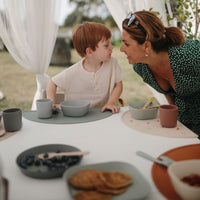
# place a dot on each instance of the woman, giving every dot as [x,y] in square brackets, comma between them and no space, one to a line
[166,61]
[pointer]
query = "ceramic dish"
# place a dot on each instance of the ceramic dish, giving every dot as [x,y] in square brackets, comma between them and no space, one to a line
[75,108]
[160,175]
[139,189]
[46,169]
[142,114]
[178,170]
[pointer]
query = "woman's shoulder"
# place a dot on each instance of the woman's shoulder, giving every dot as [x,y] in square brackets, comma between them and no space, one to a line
[191,44]
[189,51]
[188,46]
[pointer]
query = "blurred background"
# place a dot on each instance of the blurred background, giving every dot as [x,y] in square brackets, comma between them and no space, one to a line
[18,86]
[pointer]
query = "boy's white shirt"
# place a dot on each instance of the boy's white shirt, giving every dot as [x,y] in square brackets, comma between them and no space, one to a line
[77,83]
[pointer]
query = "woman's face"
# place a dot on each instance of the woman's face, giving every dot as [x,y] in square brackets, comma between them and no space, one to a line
[134,51]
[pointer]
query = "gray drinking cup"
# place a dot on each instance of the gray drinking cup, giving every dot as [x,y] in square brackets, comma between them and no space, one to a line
[12,119]
[44,108]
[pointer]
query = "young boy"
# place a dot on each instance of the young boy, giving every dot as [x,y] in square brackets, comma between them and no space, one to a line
[97,77]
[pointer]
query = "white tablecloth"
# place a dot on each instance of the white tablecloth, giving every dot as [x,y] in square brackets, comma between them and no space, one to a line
[107,140]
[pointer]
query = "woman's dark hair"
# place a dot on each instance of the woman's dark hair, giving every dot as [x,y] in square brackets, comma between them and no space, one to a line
[161,37]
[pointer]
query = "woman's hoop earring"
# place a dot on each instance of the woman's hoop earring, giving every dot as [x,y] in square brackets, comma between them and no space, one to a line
[146,54]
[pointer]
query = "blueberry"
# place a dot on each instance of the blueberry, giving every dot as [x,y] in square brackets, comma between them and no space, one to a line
[49,163]
[75,159]
[54,159]
[70,161]
[46,155]
[31,156]
[64,158]
[51,168]
[44,162]
[23,160]
[30,161]
[37,162]
[62,167]
[59,159]
[23,165]
[66,166]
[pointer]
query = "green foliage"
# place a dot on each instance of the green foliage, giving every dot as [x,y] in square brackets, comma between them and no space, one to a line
[87,11]
[187,13]
[78,18]
[117,43]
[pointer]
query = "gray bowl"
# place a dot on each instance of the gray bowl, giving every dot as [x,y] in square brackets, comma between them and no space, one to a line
[142,113]
[75,108]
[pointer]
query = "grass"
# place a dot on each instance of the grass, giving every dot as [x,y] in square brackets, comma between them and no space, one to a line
[19,85]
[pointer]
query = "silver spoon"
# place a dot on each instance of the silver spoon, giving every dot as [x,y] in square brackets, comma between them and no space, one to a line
[164,160]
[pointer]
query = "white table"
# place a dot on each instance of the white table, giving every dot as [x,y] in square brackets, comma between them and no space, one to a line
[107,140]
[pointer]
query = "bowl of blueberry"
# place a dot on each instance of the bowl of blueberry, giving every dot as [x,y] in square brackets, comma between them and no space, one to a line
[31,165]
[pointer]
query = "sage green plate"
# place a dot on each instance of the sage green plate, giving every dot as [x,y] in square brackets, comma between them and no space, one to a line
[139,189]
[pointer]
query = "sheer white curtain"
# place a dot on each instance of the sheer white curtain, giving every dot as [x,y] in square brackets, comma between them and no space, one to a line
[28,28]
[120,8]
[156,5]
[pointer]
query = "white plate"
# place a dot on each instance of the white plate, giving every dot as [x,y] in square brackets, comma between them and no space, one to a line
[139,189]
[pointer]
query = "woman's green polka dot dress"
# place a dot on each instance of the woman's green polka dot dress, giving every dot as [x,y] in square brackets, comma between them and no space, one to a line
[185,65]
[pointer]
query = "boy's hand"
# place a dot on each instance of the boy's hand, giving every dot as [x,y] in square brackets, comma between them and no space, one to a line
[112,107]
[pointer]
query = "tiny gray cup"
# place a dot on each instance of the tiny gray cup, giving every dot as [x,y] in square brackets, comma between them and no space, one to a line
[44,108]
[12,119]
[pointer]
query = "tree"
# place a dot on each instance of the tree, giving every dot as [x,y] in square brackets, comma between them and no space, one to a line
[89,10]
[187,13]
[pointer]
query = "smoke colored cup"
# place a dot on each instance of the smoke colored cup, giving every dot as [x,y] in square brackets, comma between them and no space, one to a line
[44,108]
[12,119]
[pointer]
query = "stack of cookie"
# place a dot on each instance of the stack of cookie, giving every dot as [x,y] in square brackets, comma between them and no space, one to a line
[98,185]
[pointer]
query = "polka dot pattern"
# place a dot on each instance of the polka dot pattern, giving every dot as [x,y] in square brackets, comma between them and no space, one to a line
[185,65]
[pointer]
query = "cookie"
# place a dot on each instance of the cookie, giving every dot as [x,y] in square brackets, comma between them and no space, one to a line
[115,179]
[91,195]
[84,179]
[102,187]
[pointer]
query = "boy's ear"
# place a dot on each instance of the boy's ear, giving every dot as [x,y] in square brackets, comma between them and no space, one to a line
[89,51]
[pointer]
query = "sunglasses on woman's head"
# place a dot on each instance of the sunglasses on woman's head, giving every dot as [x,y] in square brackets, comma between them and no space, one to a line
[133,20]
